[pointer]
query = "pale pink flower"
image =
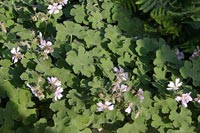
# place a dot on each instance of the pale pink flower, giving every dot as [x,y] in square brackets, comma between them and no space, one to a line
[46,46]
[63,2]
[196,53]
[58,93]
[129,108]
[116,87]
[54,8]
[197,99]
[179,54]
[140,94]
[36,91]
[185,98]
[106,106]
[16,54]
[54,81]
[120,74]
[174,85]
[124,88]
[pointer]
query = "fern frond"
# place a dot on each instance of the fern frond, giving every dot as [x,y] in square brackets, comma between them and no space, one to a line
[129,4]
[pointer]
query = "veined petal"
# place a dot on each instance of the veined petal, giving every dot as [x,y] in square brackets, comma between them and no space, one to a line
[184,104]
[50,7]
[56,11]
[17,50]
[13,51]
[128,110]
[99,109]
[15,60]
[99,104]
[177,81]
[115,69]
[178,98]
[179,84]
[49,43]
[111,107]
[55,4]
[51,11]
[59,7]
[171,84]
[108,103]
[169,89]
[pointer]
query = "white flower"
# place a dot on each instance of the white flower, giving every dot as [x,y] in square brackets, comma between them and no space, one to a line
[57,94]
[179,54]
[185,98]
[45,46]
[54,81]
[36,91]
[106,106]
[54,8]
[116,87]
[120,74]
[140,94]
[16,54]
[129,108]
[63,2]
[124,88]
[197,99]
[174,85]
[196,53]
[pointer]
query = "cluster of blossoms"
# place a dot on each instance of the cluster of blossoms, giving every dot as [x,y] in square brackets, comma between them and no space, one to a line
[56,7]
[55,87]
[16,54]
[118,90]
[121,76]
[184,98]
[46,46]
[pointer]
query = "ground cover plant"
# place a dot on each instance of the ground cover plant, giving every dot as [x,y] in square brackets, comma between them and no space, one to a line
[99,66]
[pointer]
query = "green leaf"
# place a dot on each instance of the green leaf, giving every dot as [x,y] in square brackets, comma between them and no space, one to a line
[97,85]
[92,38]
[190,70]
[96,19]
[148,45]
[22,32]
[79,14]
[81,61]
[5,63]
[76,100]
[61,32]
[112,33]
[107,67]
[181,119]
[30,76]
[80,121]
[106,13]
[43,66]
[73,29]
[159,73]
[166,57]
[138,125]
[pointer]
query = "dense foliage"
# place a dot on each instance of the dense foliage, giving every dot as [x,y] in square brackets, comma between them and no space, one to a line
[99,66]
